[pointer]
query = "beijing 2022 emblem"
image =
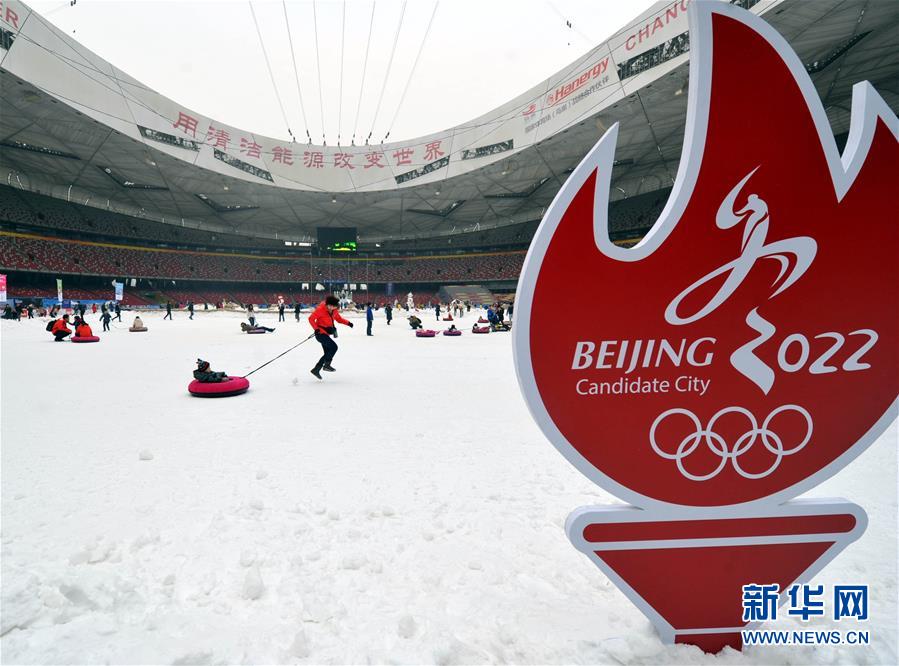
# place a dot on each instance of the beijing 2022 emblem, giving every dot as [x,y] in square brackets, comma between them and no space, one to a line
[744,351]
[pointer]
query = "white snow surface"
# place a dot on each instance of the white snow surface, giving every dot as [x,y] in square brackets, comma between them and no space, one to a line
[404,510]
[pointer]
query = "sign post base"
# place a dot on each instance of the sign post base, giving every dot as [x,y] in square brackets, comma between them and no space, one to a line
[686,573]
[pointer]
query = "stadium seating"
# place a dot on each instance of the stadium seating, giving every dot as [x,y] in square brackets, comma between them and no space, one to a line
[21,252]
[19,207]
[44,235]
[28,208]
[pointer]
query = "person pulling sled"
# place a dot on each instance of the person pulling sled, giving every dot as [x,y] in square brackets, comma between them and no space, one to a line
[324,319]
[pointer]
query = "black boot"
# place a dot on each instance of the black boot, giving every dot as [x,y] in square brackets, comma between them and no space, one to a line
[328,368]
[315,371]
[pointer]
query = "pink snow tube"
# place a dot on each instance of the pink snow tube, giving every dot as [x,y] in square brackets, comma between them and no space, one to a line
[480,329]
[481,320]
[234,386]
[447,319]
[453,333]
[425,333]
[89,338]
[256,331]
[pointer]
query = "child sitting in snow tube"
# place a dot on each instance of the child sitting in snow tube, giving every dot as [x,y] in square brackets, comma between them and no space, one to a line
[206,375]
[247,328]
[452,331]
[210,384]
[83,332]
[480,329]
[425,333]
[414,322]
[138,326]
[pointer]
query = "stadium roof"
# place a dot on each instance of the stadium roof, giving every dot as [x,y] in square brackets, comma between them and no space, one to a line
[74,126]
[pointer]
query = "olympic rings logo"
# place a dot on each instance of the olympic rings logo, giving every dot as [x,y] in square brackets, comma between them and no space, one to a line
[719,447]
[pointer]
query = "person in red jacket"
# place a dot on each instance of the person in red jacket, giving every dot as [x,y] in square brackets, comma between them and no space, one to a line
[323,320]
[82,330]
[61,329]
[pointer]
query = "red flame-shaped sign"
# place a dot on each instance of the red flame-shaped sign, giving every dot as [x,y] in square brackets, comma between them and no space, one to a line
[746,349]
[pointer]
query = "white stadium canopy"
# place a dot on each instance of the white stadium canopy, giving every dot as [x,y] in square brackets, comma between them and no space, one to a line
[74,126]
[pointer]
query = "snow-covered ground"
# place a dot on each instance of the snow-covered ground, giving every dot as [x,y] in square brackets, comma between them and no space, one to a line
[404,510]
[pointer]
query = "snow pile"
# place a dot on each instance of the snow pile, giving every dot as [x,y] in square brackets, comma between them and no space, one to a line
[405,509]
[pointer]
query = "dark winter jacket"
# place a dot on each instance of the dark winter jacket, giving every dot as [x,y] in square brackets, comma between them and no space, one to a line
[209,377]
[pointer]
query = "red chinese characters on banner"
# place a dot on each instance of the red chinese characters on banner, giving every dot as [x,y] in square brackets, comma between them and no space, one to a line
[188,124]
[374,160]
[403,156]
[343,160]
[432,151]
[219,138]
[313,159]
[282,155]
[250,147]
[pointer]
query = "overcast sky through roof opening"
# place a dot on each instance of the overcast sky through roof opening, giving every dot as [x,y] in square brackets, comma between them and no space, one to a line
[207,56]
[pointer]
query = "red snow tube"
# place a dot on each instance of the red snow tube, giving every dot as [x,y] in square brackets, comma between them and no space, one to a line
[425,334]
[234,386]
[447,319]
[89,338]
[481,320]
[480,329]
[453,333]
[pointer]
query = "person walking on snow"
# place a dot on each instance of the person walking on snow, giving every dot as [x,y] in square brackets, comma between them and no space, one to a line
[296,311]
[369,319]
[281,311]
[105,318]
[190,308]
[168,310]
[437,311]
[389,312]
[323,320]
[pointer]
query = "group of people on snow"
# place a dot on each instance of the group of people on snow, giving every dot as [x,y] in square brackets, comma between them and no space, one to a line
[60,330]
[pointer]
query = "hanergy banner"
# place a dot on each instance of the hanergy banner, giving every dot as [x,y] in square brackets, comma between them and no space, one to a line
[649,47]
